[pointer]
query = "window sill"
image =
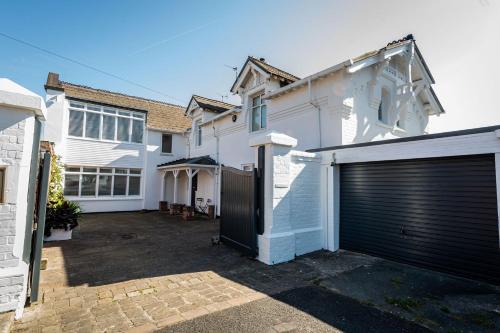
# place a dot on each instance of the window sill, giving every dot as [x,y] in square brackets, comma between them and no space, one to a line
[73,198]
[166,154]
[104,141]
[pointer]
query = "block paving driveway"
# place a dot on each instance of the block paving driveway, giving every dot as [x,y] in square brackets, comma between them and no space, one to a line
[145,272]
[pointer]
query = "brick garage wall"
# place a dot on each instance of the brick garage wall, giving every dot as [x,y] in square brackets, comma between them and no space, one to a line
[11,153]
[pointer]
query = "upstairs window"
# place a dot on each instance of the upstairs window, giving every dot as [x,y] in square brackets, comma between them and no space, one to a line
[166,143]
[197,132]
[105,123]
[259,113]
[383,108]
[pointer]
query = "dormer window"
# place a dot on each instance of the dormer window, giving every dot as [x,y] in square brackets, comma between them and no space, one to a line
[197,133]
[259,113]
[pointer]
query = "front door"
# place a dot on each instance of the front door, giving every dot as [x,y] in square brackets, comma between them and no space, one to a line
[194,188]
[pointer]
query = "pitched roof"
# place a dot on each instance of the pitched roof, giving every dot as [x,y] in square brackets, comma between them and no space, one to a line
[262,64]
[161,115]
[200,160]
[210,104]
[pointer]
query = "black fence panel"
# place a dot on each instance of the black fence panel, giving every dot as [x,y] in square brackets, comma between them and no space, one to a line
[238,210]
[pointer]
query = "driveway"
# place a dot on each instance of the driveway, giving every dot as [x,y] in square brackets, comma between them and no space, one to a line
[142,272]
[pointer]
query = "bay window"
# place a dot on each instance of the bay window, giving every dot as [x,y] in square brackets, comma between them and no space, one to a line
[105,123]
[96,182]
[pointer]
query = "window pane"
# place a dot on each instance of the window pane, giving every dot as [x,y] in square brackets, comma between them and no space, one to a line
[76,105]
[89,169]
[134,186]
[106,170]
[75,123]
[123,126]
[108,127]
[88,185]
[71,184]
[263,112]
[93,107]
[120,185]
[135,171]
[137,129]
[138,115]
[106,110]
[121,171]
[166,143]
[255,119]
[124,113]
[105,185]
[72,169]
[92,125]
[256,101]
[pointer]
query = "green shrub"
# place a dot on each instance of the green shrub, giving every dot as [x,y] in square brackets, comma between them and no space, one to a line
[60,213]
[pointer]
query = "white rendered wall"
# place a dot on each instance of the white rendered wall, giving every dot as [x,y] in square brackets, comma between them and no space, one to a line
[16,140]
[152,176]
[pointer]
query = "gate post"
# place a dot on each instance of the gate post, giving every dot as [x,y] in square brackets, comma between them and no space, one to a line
[277,242]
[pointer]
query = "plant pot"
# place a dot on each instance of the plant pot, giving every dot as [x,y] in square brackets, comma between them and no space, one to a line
[58,235]
[188,213]
[164,206]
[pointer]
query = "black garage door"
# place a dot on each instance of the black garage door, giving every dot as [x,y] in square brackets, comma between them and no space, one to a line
[439,213]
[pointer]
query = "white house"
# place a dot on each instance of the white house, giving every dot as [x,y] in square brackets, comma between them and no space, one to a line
[128,153]
[111,143]
[21,114]
[382,94]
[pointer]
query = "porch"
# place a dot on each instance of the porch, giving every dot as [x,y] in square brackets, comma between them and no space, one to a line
[192,182]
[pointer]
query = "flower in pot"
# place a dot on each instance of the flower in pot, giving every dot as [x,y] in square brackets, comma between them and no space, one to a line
[61,219]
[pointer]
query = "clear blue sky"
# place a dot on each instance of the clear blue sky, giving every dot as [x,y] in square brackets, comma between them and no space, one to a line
[181,47]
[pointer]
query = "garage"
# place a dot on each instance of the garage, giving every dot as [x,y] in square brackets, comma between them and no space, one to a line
[438,213]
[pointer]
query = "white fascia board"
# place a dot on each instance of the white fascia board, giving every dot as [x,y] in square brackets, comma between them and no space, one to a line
[434,104]
[221,115]
[376,58]
[245,72]
[470,144]
[185,166]
[305,80]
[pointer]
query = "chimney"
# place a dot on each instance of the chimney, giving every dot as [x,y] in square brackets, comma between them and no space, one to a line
[53,81]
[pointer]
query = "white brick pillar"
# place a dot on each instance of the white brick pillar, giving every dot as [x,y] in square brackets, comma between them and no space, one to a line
[277,243]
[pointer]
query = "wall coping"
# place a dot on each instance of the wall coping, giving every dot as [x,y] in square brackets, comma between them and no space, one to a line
[274,138]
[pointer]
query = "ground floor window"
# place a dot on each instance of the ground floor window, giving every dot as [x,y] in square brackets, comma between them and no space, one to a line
[101,182]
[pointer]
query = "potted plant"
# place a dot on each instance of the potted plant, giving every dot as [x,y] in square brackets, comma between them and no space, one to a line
[61,215]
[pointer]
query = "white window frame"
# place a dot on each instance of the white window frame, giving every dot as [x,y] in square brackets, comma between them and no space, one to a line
[98,173]
[258,107]
[87,108]
[198,133]
[171,144]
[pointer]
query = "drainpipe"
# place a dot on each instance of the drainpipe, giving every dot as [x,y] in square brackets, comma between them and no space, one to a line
[316,106]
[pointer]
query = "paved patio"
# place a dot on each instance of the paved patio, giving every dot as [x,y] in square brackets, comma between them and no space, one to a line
[142,272]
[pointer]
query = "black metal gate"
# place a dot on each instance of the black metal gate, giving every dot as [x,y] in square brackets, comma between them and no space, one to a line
[238,217]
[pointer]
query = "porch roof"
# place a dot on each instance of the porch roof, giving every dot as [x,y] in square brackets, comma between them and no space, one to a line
[200,161]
